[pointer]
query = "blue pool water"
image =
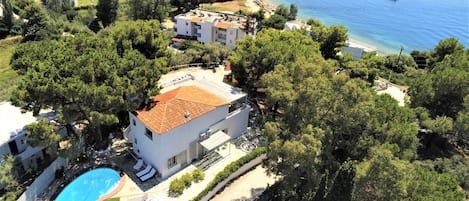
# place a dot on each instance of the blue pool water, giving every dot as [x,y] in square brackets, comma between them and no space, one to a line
[388,24]
[90,186]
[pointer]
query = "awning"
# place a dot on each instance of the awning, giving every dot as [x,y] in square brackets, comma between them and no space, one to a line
[215,140]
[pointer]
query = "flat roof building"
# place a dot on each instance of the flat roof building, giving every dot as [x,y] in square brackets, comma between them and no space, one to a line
[207,26]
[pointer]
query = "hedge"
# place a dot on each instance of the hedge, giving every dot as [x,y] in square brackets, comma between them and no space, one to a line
[198,175]
[187,179]
[177,186]
[230,169]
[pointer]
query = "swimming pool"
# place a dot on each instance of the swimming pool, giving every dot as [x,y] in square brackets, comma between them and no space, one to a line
[91,185]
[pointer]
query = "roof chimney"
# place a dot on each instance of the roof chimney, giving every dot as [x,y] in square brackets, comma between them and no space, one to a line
[151,103]
[187,114]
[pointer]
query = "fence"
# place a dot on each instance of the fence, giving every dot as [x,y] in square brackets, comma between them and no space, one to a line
[40,185]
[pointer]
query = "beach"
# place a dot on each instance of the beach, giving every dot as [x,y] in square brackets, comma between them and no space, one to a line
[270,6]
[362,45]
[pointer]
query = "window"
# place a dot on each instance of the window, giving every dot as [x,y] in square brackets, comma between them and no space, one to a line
[172,162]
[148,133]
[133,122]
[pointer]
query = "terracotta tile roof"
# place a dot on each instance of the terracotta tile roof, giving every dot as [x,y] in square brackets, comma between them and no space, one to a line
[169,109]
[196,19]
[222,25]
[178,40]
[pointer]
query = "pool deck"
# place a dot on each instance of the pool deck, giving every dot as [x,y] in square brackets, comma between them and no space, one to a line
[136,190]
[116,189]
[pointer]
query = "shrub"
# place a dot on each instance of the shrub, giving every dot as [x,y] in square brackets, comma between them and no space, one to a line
[187,179]
[176,186]
[198,175]
[230,169]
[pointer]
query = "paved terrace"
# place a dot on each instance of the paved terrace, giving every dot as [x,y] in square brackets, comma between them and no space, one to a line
[154,188]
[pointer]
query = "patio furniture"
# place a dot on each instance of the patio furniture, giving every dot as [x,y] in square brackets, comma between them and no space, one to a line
[144,171]
[139,164]
[149,175]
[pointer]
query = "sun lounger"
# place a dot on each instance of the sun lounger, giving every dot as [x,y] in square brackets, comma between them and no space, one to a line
[144,171]
[149,175]
[138,165]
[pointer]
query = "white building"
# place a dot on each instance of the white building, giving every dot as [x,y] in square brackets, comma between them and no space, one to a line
[186,122]
[13,136]
[399,93]
[296,25]
[356,52]
[209,26]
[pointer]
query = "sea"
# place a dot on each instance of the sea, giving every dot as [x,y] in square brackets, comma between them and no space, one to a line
[389,25]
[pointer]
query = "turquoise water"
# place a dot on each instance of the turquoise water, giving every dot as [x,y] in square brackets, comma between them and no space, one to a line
[388,24]
[91,185]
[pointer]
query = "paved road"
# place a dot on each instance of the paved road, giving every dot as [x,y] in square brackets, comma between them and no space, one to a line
[245,187]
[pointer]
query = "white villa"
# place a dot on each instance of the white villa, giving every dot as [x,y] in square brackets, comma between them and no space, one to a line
[209,26]
[187,121]
[13,136]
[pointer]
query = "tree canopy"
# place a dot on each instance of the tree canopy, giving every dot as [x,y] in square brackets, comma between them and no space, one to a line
[383,177]
[254,57]
[89,78]
[330,136]
[149,9]
[8,175]
[106,11]
[43,134]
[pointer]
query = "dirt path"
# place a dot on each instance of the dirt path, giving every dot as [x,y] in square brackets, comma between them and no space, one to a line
[247,186]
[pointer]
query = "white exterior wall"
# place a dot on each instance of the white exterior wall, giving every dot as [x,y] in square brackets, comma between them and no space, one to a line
[4,149]
[185,138]
[20,144]
[39,186]
[182,28]
[236,122]
[162,147]
[231,37]
[206,32]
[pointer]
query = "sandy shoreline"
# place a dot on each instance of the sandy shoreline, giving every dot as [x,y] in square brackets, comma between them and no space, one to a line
[270,6]
[355,43]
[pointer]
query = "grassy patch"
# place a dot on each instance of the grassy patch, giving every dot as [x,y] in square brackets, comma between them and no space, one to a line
[81,3]
[113,199]
[8,77]
[217,8]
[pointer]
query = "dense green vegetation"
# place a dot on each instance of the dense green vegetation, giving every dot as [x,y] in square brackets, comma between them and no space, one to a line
[90,79]
[177,185]
[8,174]
[8,77]
[194,52]
[330,135]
